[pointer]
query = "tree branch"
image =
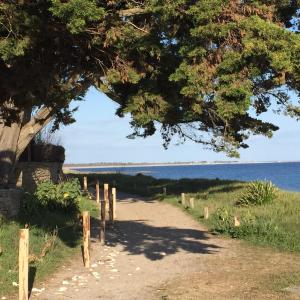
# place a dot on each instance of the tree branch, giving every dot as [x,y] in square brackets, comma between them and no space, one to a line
[31,128]
[132,12]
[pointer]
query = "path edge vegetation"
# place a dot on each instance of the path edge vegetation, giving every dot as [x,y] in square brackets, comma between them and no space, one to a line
[55,233]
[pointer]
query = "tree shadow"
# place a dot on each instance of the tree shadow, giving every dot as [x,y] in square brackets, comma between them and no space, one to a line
[155,243]
[31,278]
[6,163]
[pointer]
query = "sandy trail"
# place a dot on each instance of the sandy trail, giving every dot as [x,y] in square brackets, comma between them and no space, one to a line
[152,244]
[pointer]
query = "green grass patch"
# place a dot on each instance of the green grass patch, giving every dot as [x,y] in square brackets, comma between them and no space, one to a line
[54,238]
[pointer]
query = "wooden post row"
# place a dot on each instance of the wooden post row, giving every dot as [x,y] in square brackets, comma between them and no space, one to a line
[23,264]
[102,222]
[86,238]
[114,197]
[97,192]
[85,184]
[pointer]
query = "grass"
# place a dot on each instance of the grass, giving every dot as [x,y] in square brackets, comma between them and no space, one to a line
[57,233]
[274,224]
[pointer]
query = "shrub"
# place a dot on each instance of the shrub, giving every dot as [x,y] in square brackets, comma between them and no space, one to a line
[63,197]
[221,220]
[258,193]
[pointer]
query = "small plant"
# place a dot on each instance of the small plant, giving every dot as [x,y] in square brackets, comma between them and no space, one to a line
[258,193]
[221,220]
[63,196]
[2,220]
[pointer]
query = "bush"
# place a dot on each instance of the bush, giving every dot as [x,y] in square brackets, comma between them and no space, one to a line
[258,193]
[62,197]
[222,219]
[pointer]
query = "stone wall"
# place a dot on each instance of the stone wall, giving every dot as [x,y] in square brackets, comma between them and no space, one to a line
[29,174]
[10,200]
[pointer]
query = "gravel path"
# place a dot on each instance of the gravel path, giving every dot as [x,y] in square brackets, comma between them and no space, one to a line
[151,243]
[156,251]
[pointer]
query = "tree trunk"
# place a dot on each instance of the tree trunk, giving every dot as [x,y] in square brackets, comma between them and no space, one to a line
[15,138]
[9,136]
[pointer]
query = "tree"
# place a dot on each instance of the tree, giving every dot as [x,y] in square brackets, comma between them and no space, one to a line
[205,70]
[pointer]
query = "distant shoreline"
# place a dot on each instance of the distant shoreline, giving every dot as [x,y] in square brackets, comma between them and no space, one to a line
[137,165]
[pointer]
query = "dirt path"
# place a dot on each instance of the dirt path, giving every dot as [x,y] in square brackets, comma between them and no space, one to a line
[155,251]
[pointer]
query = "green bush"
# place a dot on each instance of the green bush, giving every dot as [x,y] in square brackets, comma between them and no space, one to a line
[258,193]
[62,197]
[222,219]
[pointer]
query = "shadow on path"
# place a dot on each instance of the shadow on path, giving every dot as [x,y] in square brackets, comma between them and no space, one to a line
[138,237]
[155,243]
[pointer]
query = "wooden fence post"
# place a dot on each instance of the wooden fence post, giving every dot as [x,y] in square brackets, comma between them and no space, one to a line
[111,209]
[192,203]
[114,196]
[86,238]
[106,191]
[23,264]
[183,199]
[85,184]
[237,222]
[206,213]
[102,222]
[97,192]
[164,191]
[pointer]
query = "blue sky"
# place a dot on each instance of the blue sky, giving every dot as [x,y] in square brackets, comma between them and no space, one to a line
[100,136]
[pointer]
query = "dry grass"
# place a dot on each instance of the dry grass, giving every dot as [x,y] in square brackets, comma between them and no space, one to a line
[246,273]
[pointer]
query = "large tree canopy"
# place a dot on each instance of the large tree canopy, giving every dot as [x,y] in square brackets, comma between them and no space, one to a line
[203,69]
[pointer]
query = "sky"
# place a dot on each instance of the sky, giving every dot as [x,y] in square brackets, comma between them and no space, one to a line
[100,136]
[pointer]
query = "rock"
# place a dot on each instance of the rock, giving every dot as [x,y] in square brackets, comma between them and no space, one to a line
[294,290]
[36,290]
[96,275]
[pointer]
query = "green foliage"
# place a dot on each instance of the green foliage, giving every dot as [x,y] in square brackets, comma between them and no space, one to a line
[222,219]
[199,68]
[258,193]
[77,13]
[46,226]
[62,197]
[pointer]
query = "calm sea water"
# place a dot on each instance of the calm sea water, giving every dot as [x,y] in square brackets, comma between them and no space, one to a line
[284,175]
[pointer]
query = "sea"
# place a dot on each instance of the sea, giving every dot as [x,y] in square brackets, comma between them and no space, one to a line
[285,175]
